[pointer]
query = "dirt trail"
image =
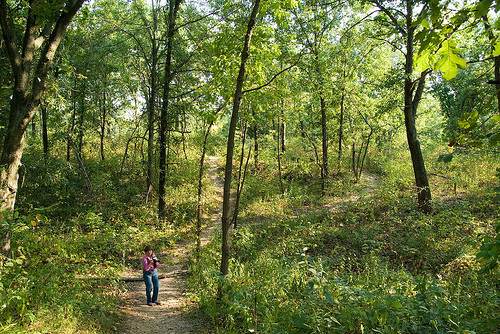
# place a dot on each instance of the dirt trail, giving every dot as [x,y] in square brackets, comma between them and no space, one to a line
[176,315]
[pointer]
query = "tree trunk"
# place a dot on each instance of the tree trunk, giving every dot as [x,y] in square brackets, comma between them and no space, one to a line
[410,108]
[353,159]
[360,170]
[283,128]
[103,124]
[324,136]
[81,123]
[26,93]
[324,146]
[341,131]
[241,183]
[278,156]
[226,222]
[152,103]
[45,136]
[200,189]
[71,128]
[11,158]
[172,15]
[240,171]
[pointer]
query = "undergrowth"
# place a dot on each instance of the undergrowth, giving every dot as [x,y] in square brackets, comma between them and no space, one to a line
[357,261]
[70,240]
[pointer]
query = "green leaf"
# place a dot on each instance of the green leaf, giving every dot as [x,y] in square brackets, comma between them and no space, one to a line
[422,61]
[496,52]
[449,61]
[425,23]
[463,124]
[482,8]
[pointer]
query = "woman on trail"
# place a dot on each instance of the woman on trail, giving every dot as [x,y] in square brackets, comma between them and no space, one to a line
[149,264]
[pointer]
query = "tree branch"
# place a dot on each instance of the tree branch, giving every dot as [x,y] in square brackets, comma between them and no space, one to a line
[49,51]
[197,20]
[10,40]
[391,17]
[419,91]
[274,77]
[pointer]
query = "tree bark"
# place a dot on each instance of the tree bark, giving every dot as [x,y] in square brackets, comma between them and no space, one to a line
[45,136]
[241,183]
[25,99]
[71,127]
[200,189]
[283,127]
[152,102]
[168,75]
[240,171]
[226,222]
[278,156]
[341,131]
[103,124]
[324,144]
[81,123]
[324,135]
[410,109]
[353,158]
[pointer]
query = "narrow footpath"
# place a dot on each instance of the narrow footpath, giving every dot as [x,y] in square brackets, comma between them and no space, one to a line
[176,315]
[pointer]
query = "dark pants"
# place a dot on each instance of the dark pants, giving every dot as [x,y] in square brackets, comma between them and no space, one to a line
[152,283]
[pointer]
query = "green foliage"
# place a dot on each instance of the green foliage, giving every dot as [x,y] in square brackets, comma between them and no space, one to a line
[490,251]
[373,264]
[68,241]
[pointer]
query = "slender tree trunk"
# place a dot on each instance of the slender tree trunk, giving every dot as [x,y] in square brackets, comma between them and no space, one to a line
[226,222]
[81,123]
[324,135]
[183,135]
[45,136]
[410,108]
[152,103]
[240,170]
[278,156]
[283,127]
[71,128]
[353,159]
[358,159]
[241,183]
[341,131]
[200,189]
[324,146]
[360,171]
[172,15]
[103,124]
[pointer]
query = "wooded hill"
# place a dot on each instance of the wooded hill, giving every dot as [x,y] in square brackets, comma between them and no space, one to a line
[357,143]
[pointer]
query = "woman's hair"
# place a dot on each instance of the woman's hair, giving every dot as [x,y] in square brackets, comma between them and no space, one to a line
[147,249]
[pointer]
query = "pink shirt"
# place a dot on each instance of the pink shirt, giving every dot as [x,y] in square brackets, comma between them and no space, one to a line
[148,264]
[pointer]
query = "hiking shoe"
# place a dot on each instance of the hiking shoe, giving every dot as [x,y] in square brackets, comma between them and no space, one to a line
[158,303]
[150,304]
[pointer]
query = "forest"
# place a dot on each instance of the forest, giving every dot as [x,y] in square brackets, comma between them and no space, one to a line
[299,166]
